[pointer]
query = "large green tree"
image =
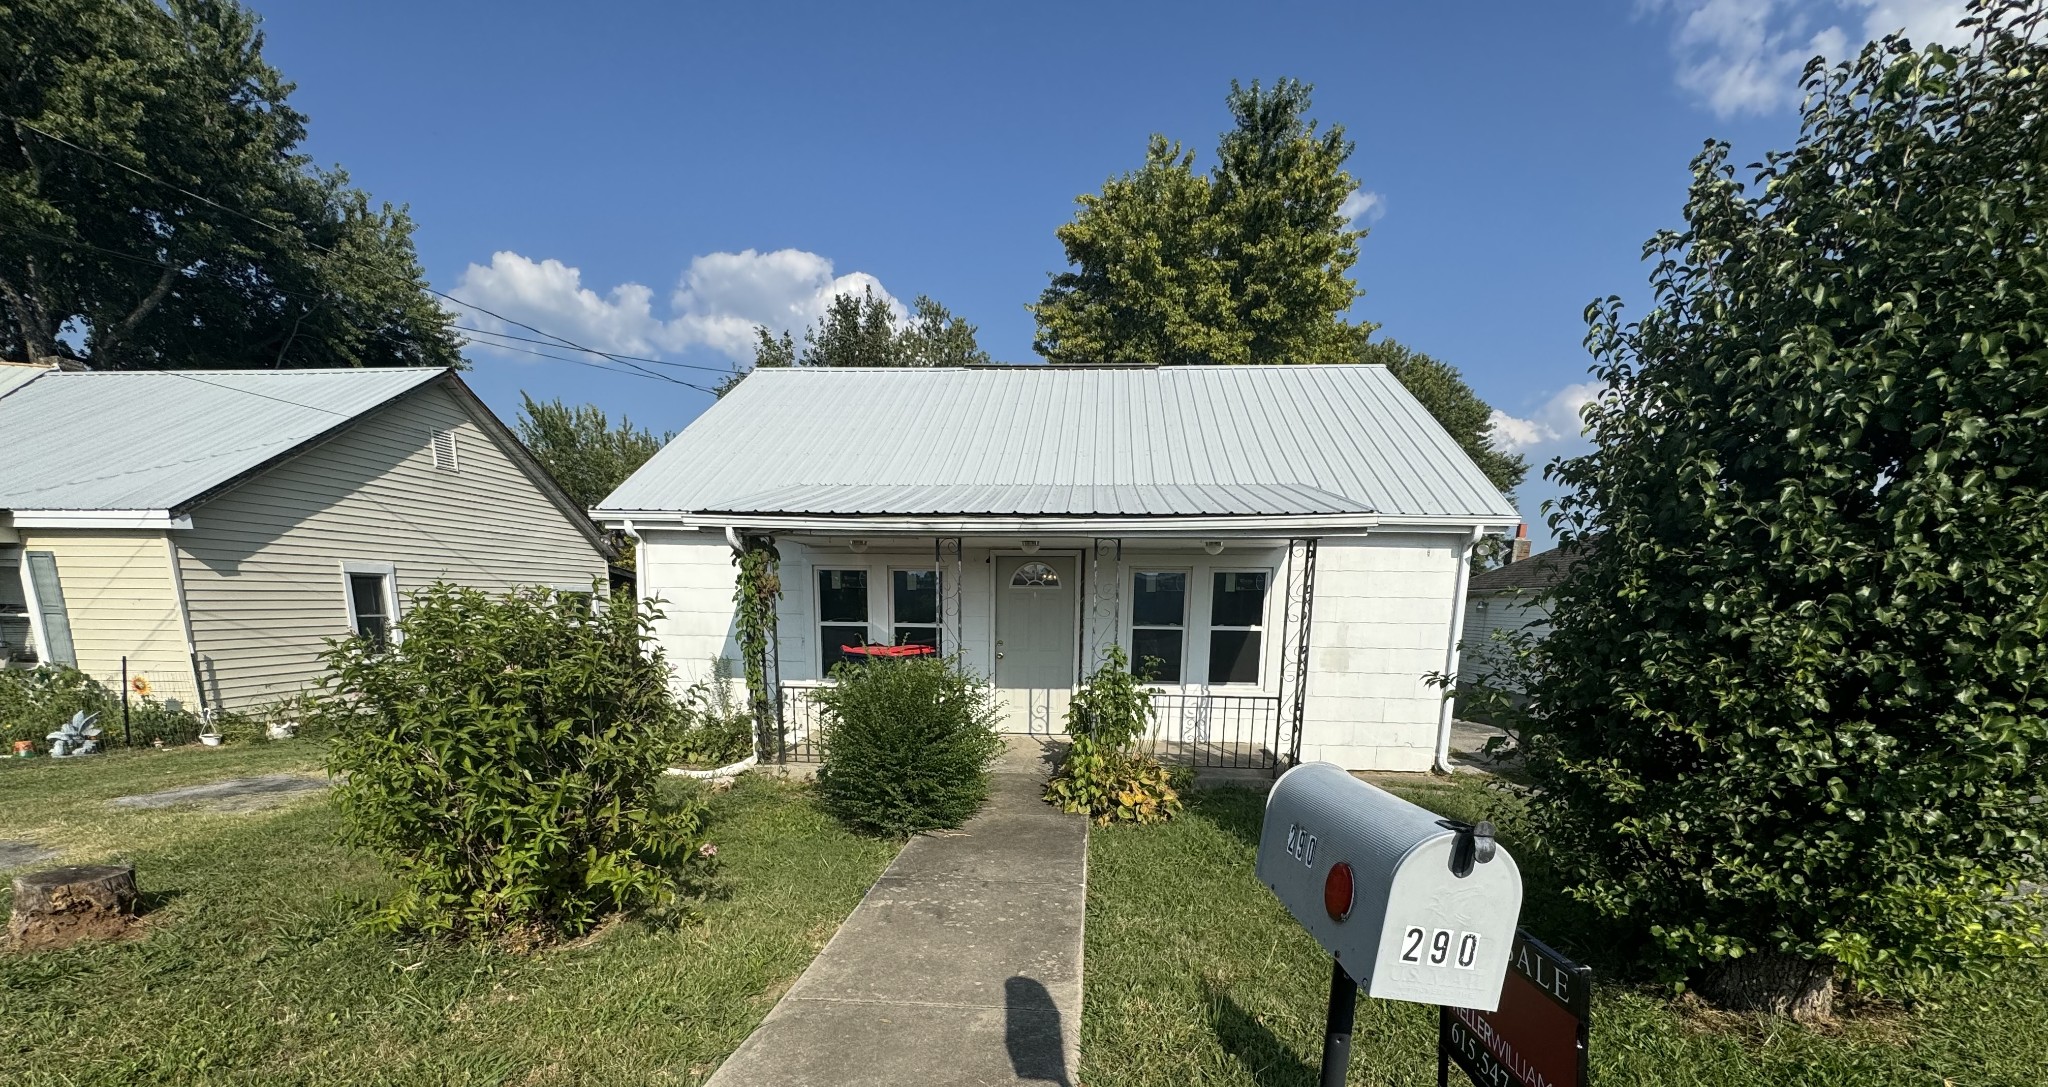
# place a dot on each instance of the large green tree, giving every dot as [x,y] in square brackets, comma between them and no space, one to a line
[1790,721]
[862,330]
[581,449]
[1247,263]
[155,210]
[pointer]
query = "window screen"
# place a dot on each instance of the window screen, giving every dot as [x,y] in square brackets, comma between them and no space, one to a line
[842,613]
[1159,608]
[49,603]
[1237,612]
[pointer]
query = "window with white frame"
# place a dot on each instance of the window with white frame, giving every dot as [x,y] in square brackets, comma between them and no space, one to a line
[842,614]
[914,607]
[372,603]
[1237,618]
[1159,613]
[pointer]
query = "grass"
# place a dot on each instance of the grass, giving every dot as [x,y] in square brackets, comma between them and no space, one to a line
[1197,976]
[255,971]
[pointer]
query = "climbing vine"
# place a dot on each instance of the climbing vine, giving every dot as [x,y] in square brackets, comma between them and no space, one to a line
[758,587]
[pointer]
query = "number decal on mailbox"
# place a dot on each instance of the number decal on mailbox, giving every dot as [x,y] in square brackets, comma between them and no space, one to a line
[1434,947]
[1301,845]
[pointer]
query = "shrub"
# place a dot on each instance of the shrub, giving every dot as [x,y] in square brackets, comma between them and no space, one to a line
[501,757]
[711,728]
[908,745]
[1103,775]
[36,701]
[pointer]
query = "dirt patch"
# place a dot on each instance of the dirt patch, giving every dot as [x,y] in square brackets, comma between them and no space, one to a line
[65,929]
[233,795]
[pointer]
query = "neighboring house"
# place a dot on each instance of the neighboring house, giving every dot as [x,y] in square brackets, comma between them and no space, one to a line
[1505,601]
[215,528]
[1282,548]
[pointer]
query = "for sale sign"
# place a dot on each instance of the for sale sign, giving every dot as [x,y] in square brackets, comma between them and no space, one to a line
[1537,1038]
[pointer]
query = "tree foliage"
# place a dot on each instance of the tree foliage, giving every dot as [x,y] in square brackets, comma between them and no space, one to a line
[1248,263]
[582,450]
[862,330]
[1443,392]
[154,198]
[501,756]
[1793,705]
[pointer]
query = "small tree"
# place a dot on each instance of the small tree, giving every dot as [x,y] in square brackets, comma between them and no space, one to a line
[501,757]
[1791,716]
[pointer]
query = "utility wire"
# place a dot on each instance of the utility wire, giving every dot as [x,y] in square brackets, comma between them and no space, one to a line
[553,339]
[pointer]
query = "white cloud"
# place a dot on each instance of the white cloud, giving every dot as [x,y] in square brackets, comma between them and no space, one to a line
[1362,206]
[1555,422]
[1745,56]
[717,302]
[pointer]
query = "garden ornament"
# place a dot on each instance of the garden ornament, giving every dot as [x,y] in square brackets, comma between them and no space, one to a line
[79,736]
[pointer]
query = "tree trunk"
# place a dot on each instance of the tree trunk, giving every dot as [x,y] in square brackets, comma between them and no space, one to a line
[1776,983]
[60,906]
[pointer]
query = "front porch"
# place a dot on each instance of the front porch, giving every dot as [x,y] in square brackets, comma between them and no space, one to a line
[1218,625]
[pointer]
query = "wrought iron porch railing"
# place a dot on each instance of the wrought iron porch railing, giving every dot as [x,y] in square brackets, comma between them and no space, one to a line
[1216,731]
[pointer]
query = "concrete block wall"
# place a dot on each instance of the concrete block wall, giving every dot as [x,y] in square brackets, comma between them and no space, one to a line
[690,576]
[1382,623]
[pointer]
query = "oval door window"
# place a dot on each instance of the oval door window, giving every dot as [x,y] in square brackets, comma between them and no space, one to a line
[1035,575]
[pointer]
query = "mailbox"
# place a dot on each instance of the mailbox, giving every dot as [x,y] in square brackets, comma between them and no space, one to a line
[1414,906]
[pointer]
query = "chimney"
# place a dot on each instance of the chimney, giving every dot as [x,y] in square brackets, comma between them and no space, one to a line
[1520,549]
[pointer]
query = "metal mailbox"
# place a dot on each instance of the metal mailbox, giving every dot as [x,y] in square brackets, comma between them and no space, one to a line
[1414,906]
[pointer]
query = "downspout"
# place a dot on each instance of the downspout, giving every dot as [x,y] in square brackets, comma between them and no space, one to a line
[1450,702]
[732,539]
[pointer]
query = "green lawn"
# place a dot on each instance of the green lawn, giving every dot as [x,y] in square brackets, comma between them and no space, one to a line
[255,972]
[1196,976]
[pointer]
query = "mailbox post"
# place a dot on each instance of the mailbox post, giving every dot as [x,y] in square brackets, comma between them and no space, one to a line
[1411,906]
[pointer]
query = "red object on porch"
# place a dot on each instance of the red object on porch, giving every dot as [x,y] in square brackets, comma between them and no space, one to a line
[872,651]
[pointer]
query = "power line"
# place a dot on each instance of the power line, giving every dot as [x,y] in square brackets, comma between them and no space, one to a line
[629,361]
[635,358]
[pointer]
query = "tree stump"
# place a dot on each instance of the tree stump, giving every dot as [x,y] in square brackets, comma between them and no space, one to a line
[58,907]
[1772,982]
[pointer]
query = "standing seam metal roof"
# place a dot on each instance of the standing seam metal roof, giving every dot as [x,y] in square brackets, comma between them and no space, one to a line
[153,440]
[1066,441]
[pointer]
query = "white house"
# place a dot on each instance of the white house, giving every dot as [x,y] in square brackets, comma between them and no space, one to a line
[1283,548]
[1510,600]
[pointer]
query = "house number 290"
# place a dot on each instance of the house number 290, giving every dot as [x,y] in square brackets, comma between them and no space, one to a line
[1440,947]
[1301,845]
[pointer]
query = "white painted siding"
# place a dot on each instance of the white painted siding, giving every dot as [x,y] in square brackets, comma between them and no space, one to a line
[121,602]
[1382,623]
[262,564]
[690,577]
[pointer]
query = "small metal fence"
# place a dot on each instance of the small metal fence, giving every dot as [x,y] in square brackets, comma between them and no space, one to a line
[1216,731]
[803,722]
[133,707]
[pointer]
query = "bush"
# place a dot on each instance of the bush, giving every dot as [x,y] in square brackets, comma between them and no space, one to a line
[711,728]
[1103,775]
[501,757]
[908,745]
[35,702]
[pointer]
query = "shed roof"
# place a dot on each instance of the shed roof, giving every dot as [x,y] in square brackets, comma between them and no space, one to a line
[154,440]
[1535,572]
[1062,441]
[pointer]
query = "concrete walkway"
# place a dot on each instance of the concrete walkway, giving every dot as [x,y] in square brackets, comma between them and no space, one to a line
[961,966]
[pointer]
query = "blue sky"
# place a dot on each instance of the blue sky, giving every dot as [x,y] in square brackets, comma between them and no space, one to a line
[656,179]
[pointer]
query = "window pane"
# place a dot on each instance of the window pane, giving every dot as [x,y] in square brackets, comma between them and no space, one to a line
[1159,599]
[916,595]
[843,596]
[918,636]
[1155,655]
[366,593]
[833,637]
[1233,656]
[1240,600]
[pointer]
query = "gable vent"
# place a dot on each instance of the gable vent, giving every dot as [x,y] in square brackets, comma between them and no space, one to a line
[444,450]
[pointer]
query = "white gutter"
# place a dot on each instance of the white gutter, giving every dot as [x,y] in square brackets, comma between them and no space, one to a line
[1211,527]
[732,540]
[1450,702]
[130,519]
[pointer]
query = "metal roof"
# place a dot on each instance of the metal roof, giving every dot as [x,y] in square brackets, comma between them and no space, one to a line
[1065,441]
[155,439]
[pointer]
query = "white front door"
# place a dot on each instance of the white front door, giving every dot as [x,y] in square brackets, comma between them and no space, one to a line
[1035,617]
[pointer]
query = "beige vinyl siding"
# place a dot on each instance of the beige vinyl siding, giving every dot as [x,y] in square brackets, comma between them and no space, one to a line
[121,602]
[1506,613]
[262,563]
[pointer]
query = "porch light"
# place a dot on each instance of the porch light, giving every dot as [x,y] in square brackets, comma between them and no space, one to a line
[859,546]
[1030,547]
[1214,547]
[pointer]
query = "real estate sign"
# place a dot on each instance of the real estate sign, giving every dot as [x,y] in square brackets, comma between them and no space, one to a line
[1537,1038]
